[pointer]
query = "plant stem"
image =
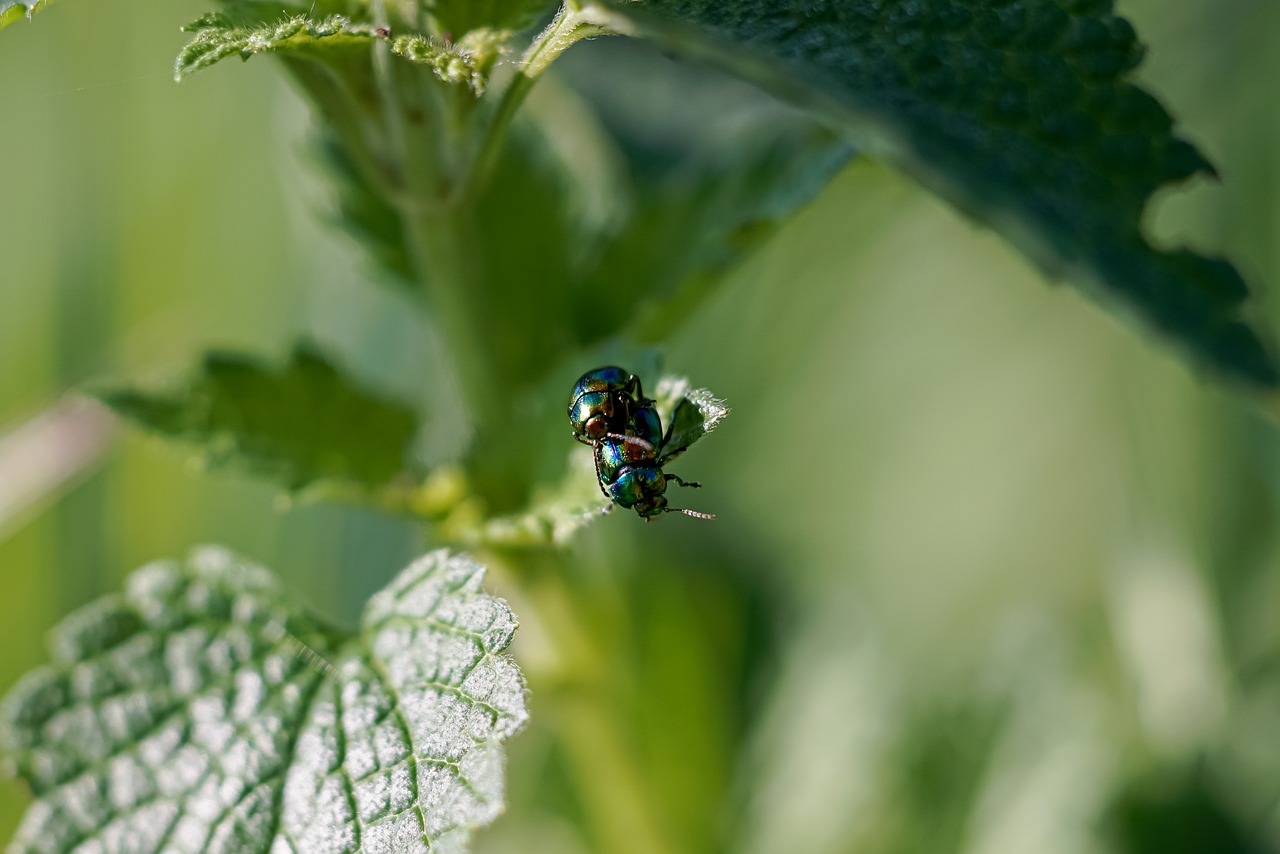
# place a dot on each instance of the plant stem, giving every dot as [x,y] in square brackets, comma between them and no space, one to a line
[451,268]
[570,26]
[612,788]
[582,703]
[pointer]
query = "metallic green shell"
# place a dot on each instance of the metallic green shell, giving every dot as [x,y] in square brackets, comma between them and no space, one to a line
[608,410]
[601,402]
[639,487]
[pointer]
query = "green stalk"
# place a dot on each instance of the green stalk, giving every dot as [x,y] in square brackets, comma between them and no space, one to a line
[571,25]
[615,792]
[450,265]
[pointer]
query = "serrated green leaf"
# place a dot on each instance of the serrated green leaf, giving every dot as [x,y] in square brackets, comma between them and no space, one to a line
[200,711]
[690,414]
[469,60]
[217,37]
[16,10]
[303,424]
[1020,112]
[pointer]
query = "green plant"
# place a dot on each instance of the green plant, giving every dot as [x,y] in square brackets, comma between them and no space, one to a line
[539,236]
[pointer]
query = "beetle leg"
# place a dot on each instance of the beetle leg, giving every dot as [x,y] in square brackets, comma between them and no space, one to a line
[691,483]
[634,388]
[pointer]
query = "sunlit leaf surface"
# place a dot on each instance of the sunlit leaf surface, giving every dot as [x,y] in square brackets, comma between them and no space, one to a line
[216,37]
[201,712]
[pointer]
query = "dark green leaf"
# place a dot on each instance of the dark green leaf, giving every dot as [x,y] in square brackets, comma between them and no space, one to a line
[714,166]
[303,424]
[1020,112]
[457,17]
[1179,812]
[201,711]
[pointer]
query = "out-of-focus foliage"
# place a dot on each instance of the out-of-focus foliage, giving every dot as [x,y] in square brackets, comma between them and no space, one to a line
[299,425]
[1020,113]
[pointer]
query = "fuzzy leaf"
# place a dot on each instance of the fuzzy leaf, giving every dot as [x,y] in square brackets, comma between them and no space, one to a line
[201,712]
[690,414]
[16,10]
[1020,112]
[468,60]
[303,424]
[217,37]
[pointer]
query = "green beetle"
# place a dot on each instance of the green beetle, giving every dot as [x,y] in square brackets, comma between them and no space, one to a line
[629,465]
[602,402]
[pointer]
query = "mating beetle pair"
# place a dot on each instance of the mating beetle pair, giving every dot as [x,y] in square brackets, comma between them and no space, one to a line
[608,410]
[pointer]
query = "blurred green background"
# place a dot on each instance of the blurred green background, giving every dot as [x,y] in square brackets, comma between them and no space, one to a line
[993,572]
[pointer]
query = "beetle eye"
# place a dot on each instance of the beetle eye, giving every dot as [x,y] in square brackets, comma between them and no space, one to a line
[595,428]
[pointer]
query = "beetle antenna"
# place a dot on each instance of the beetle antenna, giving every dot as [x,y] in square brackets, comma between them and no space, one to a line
[632,440]
[694,513]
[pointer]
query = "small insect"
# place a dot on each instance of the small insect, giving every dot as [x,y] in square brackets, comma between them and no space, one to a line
[609,411]
[602,402]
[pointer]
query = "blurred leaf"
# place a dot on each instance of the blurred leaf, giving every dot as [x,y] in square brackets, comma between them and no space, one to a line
[1017,112]
[616,215]
[201,711]
[1178,816]
[462,16]
[366,215]
[691,230]
[304,424]
[538,214]
[712,167]
[933,777]
[16,10]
